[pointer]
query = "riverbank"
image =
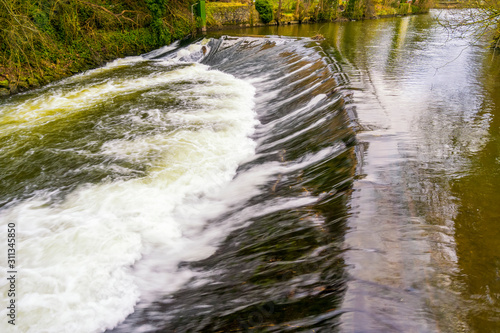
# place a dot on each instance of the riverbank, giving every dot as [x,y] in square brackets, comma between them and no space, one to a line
[44,41]
[240,14]
[449,5]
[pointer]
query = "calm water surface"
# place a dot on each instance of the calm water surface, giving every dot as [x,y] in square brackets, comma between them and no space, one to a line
[261,184]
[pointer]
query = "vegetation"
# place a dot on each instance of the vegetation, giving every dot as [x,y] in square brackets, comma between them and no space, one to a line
[43,40]
[265,9]
[328,10]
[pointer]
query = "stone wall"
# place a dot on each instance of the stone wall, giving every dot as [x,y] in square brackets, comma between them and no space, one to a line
[220,14]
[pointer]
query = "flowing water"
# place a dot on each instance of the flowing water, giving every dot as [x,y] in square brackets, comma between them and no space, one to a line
[264,184]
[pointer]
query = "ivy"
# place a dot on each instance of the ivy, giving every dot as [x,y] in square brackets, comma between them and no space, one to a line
[158,9]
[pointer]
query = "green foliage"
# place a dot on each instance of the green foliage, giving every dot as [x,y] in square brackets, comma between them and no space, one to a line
[43,40]
[415,9]
[157,9]
[354,9]
[265,9]
[327,10]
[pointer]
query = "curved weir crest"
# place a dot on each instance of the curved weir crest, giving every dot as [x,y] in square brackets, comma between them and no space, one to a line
[196,188]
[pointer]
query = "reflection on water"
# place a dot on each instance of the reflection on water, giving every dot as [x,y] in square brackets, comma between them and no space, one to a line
[424,235]
[477,220]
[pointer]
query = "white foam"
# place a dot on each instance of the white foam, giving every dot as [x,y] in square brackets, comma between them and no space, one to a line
[59,104]
[76,258]
[161,50]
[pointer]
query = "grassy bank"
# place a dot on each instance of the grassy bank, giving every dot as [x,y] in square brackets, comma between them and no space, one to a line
[286,11]
[44,40]
[247,13]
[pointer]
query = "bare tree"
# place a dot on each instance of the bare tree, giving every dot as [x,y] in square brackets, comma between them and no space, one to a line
[480,19]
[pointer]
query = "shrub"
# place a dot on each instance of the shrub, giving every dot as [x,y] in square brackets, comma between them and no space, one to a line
[265,9]
[354,9]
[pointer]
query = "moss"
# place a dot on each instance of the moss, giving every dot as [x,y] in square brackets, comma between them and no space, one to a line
[33,82]
[22,84]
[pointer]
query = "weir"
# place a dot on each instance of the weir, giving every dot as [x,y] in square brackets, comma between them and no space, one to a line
[257,184]
[186,165]
[281,263]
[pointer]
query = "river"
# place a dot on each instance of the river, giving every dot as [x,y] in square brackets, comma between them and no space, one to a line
[270,183]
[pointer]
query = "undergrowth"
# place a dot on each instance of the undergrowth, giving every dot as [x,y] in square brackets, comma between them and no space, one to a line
[43,40]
